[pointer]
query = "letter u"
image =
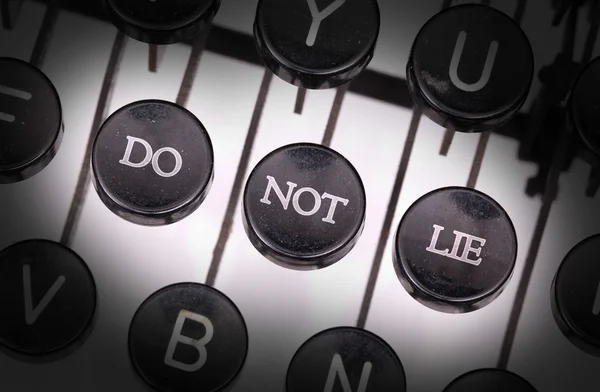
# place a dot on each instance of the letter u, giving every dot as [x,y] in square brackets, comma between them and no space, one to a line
[487,69]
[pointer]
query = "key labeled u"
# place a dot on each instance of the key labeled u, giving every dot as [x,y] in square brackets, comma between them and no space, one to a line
[487,68]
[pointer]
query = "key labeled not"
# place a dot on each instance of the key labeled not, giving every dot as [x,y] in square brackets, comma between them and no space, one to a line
[186,337]
[347,357]
[161,22]
[490,380]
[304,206]
[31,126]
[470,68]
[152,162]
[316,44]
[455,250]
[48,300]
[576,296]
[584,108]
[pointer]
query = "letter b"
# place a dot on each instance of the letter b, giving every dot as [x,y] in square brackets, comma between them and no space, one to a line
[151,157]
[198,344]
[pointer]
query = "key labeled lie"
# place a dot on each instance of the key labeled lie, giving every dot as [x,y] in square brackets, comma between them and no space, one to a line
[304,206]
[348,359]
[48,301]
[31,127]
[316,44]
[470,68]
[152,162]
[455,250]
[576,296]
[188,337]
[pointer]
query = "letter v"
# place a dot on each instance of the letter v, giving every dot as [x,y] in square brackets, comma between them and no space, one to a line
[32,314]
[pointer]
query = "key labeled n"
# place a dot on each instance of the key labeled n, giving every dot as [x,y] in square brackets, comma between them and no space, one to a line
[33,312]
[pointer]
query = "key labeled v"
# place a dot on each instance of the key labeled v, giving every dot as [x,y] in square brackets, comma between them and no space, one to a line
[32,313]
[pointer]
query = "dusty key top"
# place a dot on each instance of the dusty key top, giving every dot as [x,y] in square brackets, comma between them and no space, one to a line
[316,44]
[161,22]
[48,301]
[153,162]
[490,380]
[576,296]
[31,127]
[470,68]
[304,206]
[353,358]
[455,250]
[584,106]
[188,337]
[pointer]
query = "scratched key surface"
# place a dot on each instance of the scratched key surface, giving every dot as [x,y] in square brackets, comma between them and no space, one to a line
[248,113]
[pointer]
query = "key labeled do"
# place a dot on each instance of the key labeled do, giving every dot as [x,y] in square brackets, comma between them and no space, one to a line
[470,68]
[576,296]
[304,206]
[188,336]
[345,359]
[48,302]
[455,250]
[316,44]
[152,162]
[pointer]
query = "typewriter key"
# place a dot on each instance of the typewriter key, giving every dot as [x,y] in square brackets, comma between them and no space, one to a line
[490,380]
[48,301]
[161,22]
[455,250]
[152,162]
[584,106]
[31,127]
[304,206]
[188,337]
[314,44]
[353,358]
[576,296]
[470,68]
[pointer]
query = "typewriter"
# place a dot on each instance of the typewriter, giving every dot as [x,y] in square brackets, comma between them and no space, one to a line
[299,195]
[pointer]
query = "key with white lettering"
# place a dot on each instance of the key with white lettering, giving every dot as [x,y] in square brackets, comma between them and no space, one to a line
[152,162]
[31,126]
[304,206]
[317,44]
[48,302]
[455,250]
[353,358]
[470,68]
[188,336]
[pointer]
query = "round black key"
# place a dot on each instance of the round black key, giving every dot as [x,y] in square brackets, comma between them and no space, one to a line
[48,301]
[152,162]
[470,68]
[584,106]
[316,44]
[490,380]
[304,206]
[576,296]
[188,337]
[161,22]
[31,127]
[455,250]
[349,357]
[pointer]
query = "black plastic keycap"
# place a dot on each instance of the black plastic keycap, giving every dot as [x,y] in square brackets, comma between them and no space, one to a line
[162,22]
[470,68]
[316,44]
[304,206]
[455,250]
[576,296]
[31,127]
[345,358]
[584,106]
[188,337]
[490,380]
[48,301]
[152,162]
